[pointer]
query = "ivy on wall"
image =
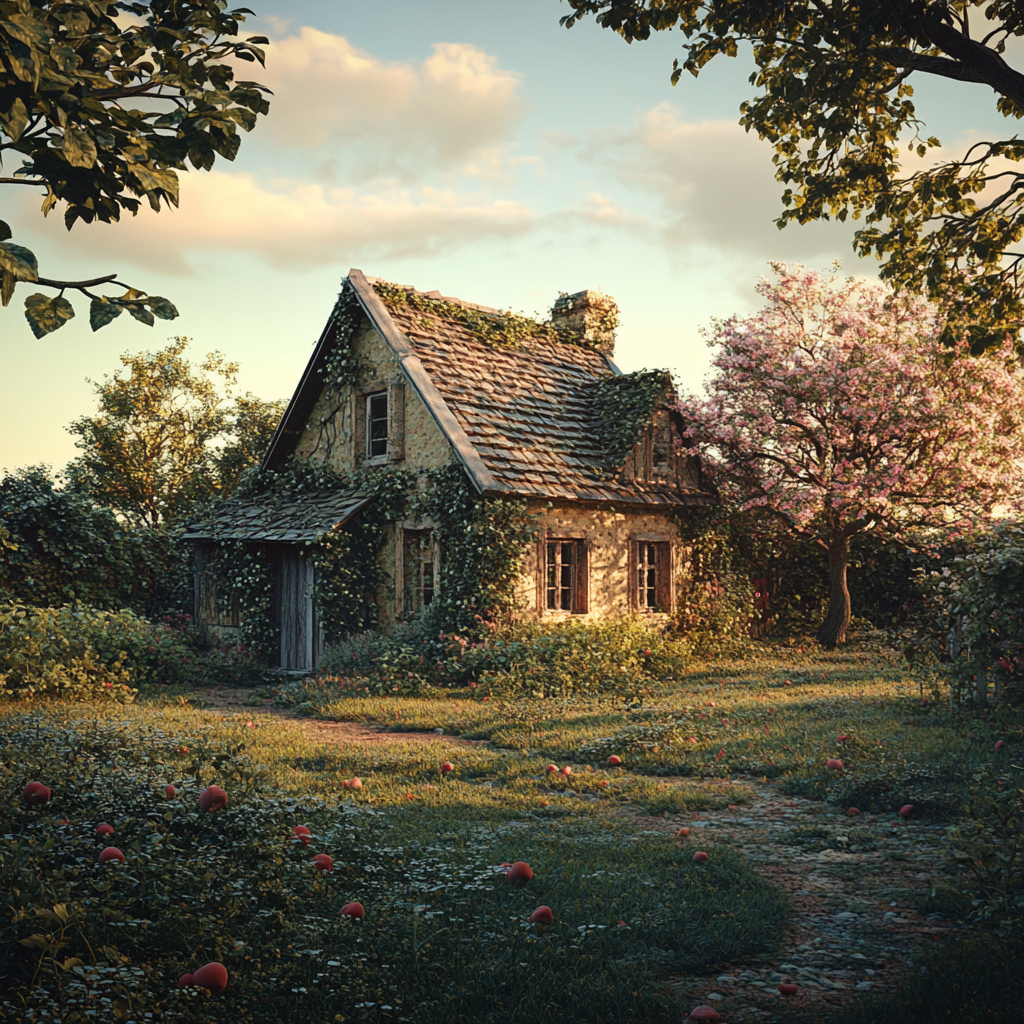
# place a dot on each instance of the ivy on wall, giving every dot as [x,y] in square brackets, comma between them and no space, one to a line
[485,544]
[625,405]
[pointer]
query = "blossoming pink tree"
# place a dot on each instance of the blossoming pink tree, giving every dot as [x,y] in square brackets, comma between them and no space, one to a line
[837,409]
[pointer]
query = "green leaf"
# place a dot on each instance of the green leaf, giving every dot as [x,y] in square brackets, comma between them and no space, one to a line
[162,307]
[79,147]
[140,313]
[5,231]
[45,315]
[18,261]
[101,312]
[15,119]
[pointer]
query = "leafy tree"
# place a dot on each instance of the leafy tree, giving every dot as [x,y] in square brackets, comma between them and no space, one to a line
[58,547]
[838,409]
[168,436]
[836,101]
[70,76]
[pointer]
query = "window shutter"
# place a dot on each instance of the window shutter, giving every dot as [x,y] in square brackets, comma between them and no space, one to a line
[582,597]
[396,425]
[631,587]
[664,593]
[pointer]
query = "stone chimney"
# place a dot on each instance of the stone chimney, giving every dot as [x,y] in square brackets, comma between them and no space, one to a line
[591,317]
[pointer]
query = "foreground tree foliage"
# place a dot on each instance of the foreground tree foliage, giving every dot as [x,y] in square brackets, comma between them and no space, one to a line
[71,75]
[838,409]
[836,101]
[169,436]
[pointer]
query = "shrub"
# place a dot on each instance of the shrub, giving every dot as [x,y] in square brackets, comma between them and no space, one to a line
[613,656]
[81,652]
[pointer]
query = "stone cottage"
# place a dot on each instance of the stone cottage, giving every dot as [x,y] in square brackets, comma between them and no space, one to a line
[535,411]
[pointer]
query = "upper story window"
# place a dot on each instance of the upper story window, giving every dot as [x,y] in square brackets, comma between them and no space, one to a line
[376,424]
[565,576]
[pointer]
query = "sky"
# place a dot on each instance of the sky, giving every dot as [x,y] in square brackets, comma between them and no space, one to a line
[470,146]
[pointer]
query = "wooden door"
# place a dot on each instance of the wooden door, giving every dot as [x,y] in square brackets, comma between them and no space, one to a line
[298,622]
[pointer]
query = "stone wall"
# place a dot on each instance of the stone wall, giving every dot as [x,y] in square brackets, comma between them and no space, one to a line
[608,534]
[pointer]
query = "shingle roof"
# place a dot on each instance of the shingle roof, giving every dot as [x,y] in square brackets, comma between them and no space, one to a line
[269,518]
[529,412]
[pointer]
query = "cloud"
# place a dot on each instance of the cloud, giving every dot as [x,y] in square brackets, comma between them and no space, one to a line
[716,187]
[292,225]
[386,119]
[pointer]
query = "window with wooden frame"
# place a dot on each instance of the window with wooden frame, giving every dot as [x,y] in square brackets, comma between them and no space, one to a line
[650,575]
[376,424]
[420,565]
[566,583]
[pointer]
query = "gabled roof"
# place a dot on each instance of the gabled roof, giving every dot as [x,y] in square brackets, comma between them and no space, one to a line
[272,518]
[522,416]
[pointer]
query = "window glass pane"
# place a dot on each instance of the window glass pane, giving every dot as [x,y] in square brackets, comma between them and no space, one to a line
[560,575]
[377,424]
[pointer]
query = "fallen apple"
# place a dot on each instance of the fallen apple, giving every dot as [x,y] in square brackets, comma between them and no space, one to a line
[704,1013]
[787,988]
[302,834]
[169,791]
[999,744]
[551,768]
[322,862]
[843,738]
[683,832]
[906,810]
[103,829]
[542,915]
[852,812]
[615,760]
[35,794]
[356,911]
[605,783]
[186,981]
[566,771]
[447,767]
[834,764]
[700,857]
[356,783]
[213,977]
[213,798]
[111,853]
[519,872]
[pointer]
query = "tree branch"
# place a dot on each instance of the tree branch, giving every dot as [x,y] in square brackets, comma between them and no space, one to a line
[22,181]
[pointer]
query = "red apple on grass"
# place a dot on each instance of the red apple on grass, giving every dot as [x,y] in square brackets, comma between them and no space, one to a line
[103,829]
[704,1013]
[614,760]
[356,911]
[169,791]
[542,915]
[356,783]
[301,833]
[111,853]
[213,977]
[852,812]
[834,764]
[551,768]
[566,771]
[700,857]
[447,767]
[35,794]
[906,811]
[213,798]
[519,872]
[787,988]
[683,832]
[322,862]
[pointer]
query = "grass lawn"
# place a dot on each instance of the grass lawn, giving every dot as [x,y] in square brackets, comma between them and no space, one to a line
[445,937]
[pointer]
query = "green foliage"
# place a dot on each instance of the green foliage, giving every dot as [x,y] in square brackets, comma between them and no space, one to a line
[343,368]
[169,437]
[625,405]
[83,652]
[445,937]
[105,110]
[974,619]
[508,329]
[835,99]
[485,544]
[57,547]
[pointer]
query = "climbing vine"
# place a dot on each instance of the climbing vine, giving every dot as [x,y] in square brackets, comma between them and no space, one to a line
[625,405]
[484,544]
[507,329]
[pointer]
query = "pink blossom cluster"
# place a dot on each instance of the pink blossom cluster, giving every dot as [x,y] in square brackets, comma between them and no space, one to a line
[839,408]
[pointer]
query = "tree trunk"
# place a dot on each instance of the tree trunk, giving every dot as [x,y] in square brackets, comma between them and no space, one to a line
[832,632]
